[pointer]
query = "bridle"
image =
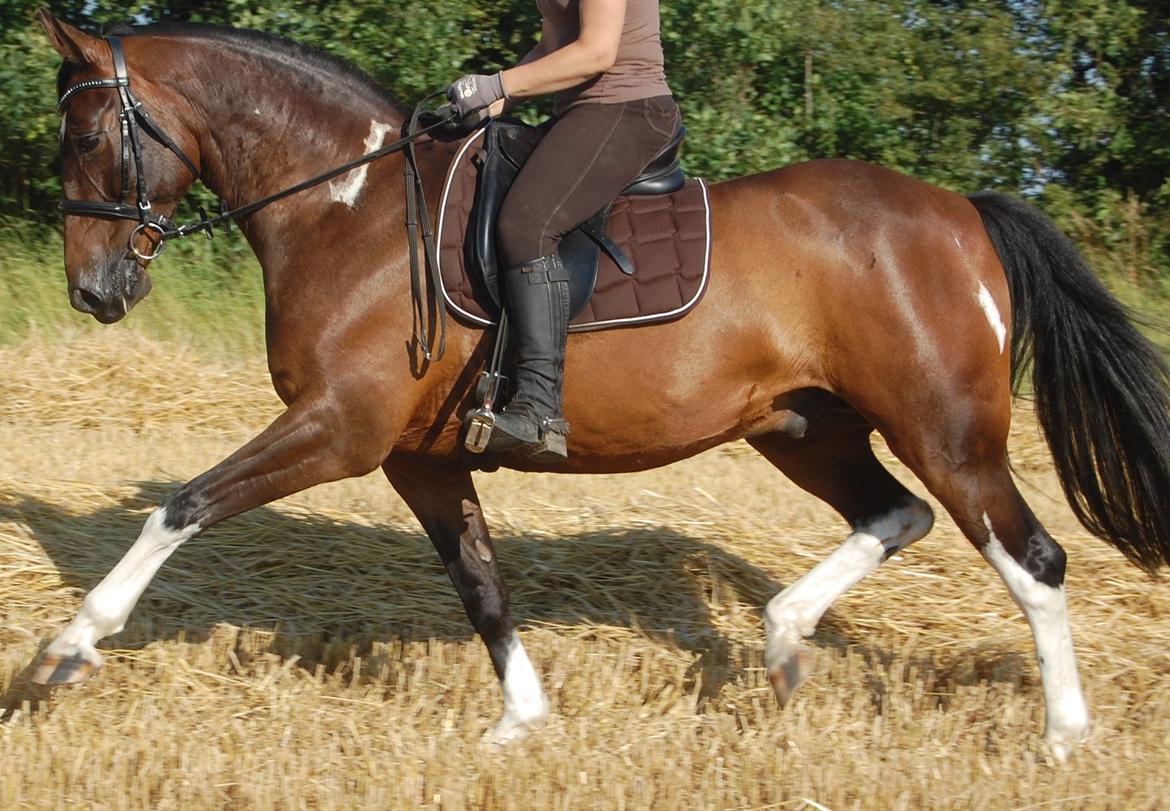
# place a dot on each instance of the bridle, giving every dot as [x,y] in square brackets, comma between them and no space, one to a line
[133,116]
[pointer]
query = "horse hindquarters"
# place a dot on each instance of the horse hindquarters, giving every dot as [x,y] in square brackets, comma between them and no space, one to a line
[1102,389]
[929,367]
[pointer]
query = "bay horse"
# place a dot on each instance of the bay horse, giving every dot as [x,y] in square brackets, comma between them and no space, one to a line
[845,298]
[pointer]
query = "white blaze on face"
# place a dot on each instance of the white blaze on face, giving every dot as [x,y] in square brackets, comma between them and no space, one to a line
[1045,608]
[993,317]
[347,188]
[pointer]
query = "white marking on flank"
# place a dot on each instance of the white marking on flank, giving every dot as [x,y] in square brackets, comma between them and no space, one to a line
[525,707]
[992,314]
[1046,610]
[346,191]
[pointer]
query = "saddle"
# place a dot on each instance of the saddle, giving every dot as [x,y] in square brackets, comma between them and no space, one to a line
[641,259]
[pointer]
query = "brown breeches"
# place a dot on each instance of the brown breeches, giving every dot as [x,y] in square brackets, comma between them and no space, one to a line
[589,155]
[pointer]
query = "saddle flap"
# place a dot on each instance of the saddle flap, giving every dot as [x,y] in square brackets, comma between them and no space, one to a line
[508,142]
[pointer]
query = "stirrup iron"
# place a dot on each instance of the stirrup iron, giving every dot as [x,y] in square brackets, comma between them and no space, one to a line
[479,430]
[492,384]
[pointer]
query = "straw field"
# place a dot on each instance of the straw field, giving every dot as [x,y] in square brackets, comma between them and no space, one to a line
[311,654]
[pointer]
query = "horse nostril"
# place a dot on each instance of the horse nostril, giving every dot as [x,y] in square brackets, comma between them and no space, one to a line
[84,300]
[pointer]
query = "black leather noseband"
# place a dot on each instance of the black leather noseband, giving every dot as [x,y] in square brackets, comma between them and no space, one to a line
[133,117]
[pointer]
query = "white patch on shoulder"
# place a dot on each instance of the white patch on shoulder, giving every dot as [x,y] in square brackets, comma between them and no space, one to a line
[993,316]
[346,191]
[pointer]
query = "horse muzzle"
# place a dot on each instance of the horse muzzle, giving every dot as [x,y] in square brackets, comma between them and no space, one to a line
[110,296]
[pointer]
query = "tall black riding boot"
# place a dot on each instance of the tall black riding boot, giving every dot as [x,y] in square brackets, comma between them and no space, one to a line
[537,296]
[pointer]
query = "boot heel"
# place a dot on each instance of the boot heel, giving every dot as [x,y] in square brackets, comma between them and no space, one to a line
[479,430]
[550,449]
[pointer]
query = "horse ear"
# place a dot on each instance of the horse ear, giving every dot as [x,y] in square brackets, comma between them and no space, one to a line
[74,45]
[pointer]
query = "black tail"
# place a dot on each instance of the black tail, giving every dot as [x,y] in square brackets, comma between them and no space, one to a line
[1102,389]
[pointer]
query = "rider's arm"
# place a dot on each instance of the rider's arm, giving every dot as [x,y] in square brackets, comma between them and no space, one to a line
[538,52]
[593,52]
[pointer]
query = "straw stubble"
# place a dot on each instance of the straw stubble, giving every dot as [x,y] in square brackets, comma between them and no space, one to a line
[312,654]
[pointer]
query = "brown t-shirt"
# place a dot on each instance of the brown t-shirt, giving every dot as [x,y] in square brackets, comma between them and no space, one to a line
[636,74]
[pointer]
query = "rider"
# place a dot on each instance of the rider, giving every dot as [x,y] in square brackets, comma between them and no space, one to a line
[612,113]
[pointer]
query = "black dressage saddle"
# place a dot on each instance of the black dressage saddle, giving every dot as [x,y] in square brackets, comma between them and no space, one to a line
[507,144]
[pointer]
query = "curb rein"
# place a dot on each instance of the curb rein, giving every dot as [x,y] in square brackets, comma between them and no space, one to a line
[134,115]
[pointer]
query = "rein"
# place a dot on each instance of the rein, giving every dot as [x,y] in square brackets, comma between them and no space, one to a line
[134,114]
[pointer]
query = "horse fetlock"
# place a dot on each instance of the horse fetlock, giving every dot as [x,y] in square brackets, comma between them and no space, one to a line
[1063,742]
[789,621]
[1066,729]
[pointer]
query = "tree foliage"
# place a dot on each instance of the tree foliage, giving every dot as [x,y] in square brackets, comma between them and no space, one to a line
[1064,100]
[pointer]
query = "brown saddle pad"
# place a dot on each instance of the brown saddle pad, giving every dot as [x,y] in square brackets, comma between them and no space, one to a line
[667,237]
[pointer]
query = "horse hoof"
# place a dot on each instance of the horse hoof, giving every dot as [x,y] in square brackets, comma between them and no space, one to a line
[511,729]
[1062,746]
[789,672]
[1061,751]
[70,669]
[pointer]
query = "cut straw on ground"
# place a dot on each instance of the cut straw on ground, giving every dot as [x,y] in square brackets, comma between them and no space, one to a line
[312,653]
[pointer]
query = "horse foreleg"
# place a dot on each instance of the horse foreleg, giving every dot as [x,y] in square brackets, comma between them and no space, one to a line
[837,465]
[444,500]
[303,447]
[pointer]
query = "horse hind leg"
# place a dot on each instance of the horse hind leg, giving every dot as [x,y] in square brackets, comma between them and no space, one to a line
[962,459]
[990,511]
[835,463]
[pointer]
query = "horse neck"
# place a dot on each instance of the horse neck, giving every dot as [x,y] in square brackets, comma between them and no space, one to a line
[266,122]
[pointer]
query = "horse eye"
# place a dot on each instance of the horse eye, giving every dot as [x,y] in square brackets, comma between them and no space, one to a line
[88,143]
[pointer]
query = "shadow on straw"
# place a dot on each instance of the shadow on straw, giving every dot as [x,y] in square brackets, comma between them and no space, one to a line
[333,587]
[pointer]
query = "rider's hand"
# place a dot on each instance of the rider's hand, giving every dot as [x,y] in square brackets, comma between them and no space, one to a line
[474,92]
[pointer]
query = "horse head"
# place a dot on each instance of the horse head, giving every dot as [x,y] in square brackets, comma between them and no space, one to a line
[120,187]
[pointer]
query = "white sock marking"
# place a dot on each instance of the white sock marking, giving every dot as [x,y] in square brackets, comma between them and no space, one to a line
[525,707]
[795,612]
[105,609]
[991,312]
[347,190]
[1046,610]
